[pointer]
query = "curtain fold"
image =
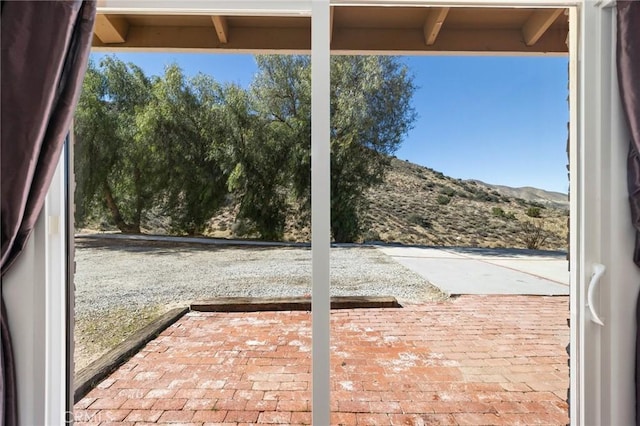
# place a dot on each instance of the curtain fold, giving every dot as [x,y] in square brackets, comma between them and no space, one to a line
[45,48]
[628,65]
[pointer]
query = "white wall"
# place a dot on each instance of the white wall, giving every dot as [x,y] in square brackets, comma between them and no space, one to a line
[608,352]
[618,300]
[34,294]
[25,310]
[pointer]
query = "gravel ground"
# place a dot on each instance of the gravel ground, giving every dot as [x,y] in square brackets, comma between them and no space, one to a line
[122,285]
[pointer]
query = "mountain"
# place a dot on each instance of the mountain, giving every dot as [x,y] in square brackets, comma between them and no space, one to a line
[528,193]
[418,205]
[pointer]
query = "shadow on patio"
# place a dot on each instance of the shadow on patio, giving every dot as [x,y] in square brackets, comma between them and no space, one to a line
[468,360]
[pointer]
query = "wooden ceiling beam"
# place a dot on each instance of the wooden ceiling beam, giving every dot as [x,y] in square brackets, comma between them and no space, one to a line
[203,39]
[345,41]
[433,24]
[222,28]
[351,41]
[331,9]
[537,24]
[111,29]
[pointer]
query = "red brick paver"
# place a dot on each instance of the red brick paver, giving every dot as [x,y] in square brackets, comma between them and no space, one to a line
[470,360]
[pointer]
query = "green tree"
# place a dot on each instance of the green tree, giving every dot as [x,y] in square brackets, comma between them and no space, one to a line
[147,145]
[281,94]
[176,145]
[258,180]
[183,125]
[113,168]
[92,160]
[370,114]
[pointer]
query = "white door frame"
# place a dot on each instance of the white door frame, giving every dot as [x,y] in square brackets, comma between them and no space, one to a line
[594,237]
[320,214]
[35,297]
[602,357]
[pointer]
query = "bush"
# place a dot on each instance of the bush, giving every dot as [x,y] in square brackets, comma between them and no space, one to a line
[468,187]
[498,212]
[448,191]
[485,196]
[533,212]
[345,222]
[370,235]
[534,235]
[443,200]
[241,228]
[537,204]
[416,219]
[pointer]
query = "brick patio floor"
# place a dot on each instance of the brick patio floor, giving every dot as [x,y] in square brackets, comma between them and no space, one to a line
[470,360]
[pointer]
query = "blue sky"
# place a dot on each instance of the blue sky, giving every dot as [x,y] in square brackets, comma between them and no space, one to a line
[502,120]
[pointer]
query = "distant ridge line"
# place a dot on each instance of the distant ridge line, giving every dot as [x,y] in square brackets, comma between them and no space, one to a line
[529,193]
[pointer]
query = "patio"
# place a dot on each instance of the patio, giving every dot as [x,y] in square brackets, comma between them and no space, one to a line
[469,360]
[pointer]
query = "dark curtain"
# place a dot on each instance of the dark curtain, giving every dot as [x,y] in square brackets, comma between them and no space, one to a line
[45,48]
[628,64]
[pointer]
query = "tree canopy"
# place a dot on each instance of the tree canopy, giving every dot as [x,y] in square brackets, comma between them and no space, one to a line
[181,148]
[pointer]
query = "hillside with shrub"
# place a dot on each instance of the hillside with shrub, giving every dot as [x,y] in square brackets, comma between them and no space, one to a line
[418,205]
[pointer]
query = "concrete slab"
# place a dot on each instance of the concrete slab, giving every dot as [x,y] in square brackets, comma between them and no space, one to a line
[486,271]
[551,265]
[552,270]
[497,253]
[420,252]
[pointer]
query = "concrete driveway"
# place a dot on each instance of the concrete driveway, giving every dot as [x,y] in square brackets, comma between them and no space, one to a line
[457,270]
